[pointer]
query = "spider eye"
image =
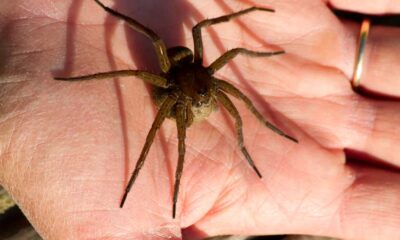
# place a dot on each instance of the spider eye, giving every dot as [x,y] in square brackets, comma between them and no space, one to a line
[202,92]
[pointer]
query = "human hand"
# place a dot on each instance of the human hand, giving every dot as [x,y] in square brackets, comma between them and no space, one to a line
[68,148]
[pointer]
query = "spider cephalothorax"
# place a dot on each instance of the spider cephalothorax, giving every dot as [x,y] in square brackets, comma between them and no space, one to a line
[192,81]
[186,90]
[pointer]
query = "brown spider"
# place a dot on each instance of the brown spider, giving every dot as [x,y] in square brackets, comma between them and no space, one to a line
[186,90]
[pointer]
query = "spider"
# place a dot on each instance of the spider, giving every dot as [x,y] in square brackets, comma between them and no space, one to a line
[187,91]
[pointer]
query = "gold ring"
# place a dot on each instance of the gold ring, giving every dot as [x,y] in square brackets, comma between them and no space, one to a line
[365,26]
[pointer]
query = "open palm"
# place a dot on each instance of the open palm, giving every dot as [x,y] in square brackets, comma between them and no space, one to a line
[68,148]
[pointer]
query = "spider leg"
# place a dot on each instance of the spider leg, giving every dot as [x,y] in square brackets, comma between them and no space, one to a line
[229,55]
[161,115]
[227,103]
[232,90]
[181,126]
[151,78]
[158,43]
[196,31]
[189,114]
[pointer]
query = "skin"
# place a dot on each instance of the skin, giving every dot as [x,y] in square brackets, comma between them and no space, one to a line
[67,149]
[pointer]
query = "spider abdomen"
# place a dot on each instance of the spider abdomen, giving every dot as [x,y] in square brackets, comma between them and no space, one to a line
[202,112]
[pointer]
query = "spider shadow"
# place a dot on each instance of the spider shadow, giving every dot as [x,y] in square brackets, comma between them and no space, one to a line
[72,16]
[5,51]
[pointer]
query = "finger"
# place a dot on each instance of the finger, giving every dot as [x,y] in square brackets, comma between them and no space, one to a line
[382,58]
[374,7]
[372,199]
[349,122]
[340,120]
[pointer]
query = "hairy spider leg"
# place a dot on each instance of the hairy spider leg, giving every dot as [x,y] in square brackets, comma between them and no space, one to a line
[161,115]
[232,90]
[181,119]
[196,30]
[151,78]
[158,43]
[227,103]
[229,55]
